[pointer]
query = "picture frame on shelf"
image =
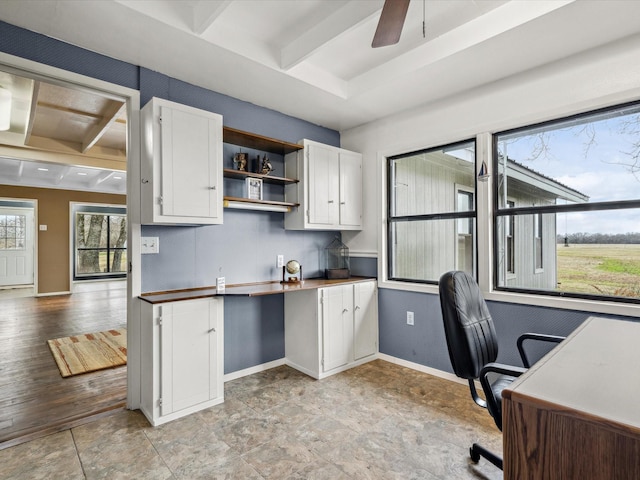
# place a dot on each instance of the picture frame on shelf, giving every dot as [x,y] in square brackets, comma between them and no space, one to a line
[254,188]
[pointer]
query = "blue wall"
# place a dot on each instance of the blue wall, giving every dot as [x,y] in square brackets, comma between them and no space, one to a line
[425,343]
[244,249]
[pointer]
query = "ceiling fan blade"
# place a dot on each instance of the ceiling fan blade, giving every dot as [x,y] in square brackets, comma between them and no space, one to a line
[390,23]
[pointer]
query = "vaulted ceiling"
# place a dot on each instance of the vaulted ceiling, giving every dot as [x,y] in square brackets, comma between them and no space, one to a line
[313,59]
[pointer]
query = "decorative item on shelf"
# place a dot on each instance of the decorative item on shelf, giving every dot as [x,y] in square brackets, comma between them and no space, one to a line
[266,167]
[294,271]
[337,260]
[254,188]
[241,159]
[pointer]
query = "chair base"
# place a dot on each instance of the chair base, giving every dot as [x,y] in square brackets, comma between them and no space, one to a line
[476,451]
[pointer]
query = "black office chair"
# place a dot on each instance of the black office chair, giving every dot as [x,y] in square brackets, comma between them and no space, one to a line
[473,348]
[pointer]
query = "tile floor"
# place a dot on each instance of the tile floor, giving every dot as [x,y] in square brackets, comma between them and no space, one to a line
[376,421]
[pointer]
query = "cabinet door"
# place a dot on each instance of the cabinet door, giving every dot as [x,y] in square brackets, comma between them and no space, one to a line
[350,189]
[190,164]
[323,178]
[188,353]
[337,326]
[365,319]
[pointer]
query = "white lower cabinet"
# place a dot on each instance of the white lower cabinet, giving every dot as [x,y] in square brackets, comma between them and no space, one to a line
[331,329]
[182,358]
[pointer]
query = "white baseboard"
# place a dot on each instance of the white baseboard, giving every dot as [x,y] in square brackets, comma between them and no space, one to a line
[387,358]
[52,294]
[421,368]
[251,370]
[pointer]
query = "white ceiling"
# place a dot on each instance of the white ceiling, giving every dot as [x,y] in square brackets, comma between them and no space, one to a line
[55,175]
[313,58]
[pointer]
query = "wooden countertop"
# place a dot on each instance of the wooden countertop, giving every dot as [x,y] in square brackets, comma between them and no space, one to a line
[247,289]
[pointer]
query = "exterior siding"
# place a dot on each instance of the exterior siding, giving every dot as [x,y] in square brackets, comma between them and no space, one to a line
[426,249]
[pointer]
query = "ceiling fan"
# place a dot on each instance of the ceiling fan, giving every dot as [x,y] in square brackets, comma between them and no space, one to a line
[390,23]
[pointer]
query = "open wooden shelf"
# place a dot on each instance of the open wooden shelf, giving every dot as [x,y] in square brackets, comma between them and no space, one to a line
[230,173]
[258,142]
[264,205]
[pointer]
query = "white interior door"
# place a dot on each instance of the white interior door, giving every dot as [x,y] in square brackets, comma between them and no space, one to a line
[16,246]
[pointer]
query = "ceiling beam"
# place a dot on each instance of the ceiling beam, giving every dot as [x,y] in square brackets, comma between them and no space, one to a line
[97,158]
[205,13]
[114,110]
[340,21]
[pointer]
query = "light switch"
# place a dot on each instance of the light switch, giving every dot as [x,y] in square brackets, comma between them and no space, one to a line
[43,228]
[149,245]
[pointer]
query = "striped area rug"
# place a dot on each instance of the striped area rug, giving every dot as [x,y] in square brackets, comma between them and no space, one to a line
[90,352]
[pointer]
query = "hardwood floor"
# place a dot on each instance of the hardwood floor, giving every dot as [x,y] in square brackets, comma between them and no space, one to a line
[34,398]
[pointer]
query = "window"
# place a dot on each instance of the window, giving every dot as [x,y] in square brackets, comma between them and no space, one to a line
[100,245]
[431,204]
[576,228]
[13,233]
[464,257]
[509,241]
[537,242]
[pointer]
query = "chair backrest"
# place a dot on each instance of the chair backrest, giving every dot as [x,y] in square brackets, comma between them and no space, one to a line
[471,336]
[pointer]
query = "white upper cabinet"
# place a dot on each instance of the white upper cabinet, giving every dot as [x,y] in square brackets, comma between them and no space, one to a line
[181,171]
[329,191]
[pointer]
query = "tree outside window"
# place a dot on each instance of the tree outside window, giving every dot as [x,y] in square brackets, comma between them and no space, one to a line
[101,248]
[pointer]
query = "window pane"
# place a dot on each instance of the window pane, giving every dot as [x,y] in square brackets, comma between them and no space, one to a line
[425,182]
[577,256]
[424,250]
[91,261]
[566,162]
[118,231]
[118,260]
[12,232]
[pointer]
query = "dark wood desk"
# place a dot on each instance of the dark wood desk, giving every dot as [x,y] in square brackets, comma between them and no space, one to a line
[576,413]
[247,289]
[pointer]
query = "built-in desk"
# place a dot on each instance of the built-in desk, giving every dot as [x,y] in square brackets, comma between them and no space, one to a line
[248,289]
[576,413]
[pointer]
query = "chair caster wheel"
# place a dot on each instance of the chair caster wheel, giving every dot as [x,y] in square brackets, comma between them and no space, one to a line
[475,456]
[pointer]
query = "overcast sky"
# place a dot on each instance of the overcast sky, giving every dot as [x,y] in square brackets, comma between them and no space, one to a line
[590,161]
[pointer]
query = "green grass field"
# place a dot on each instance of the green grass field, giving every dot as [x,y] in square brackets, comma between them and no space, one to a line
[600,269]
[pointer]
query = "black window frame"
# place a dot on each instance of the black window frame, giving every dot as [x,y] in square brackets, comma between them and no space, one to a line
[391,219]
[555,209]
[105,275]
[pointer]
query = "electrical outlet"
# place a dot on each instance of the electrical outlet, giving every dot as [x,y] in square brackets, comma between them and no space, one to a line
[220,285]
[280,261]
[409,318]
[149,245]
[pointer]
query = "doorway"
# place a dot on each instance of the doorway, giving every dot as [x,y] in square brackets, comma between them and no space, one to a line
[63,167]
[17,245]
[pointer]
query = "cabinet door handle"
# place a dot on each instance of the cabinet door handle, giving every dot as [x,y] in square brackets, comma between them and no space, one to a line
[343,203]
[330,201]
[357,307]
[211,330]
[345,310]
[212,188]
